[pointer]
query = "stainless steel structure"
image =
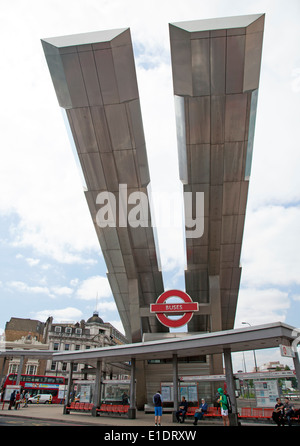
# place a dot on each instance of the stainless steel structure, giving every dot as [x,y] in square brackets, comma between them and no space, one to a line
[216,68]
[95,81]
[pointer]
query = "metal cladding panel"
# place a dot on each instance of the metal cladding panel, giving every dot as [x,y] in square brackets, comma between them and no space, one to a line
[199,120]
[82,127]
[106,74]
[235,64]
[216,67]
[93,171]
[235,116]
[125,72]
[101,129]
[90,77]
[95,81]
[200,67]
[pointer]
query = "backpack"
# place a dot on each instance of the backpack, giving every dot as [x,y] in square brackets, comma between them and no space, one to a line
[229,404]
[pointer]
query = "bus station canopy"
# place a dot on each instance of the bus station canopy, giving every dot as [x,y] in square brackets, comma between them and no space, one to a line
[181,344]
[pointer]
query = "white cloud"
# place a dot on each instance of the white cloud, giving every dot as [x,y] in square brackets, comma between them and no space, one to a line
[68,314]
[271,247]
[25,288]
[32,262]
[106,306]
[93,288]
[261,306]
[62,291]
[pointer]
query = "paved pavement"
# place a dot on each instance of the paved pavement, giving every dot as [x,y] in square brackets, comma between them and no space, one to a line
[54,413]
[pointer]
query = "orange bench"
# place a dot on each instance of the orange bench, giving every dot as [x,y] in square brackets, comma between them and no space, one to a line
[258,413]
[79,407]
[112,409]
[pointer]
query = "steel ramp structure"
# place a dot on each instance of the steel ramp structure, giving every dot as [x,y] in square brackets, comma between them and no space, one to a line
[95,81]
[216,69]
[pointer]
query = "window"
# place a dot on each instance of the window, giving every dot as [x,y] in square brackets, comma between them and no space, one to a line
[53,366]
[57,329]
[64,366]
[68,330]
[78,331]
[31,369]
[50,380]
[12,377]
[67,346]
[77,347]
[56,346]
[13,368]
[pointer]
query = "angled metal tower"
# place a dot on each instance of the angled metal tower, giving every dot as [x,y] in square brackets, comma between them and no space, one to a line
[95,81]
[216,69]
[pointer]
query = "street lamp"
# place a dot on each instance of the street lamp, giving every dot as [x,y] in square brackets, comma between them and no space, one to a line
[247,323]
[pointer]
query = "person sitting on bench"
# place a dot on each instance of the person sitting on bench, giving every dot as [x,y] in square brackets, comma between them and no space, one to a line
[182,410]
[201,411]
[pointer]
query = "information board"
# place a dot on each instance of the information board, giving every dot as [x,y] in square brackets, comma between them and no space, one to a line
[266,393]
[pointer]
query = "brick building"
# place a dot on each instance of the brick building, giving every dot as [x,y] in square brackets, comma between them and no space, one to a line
[36,335]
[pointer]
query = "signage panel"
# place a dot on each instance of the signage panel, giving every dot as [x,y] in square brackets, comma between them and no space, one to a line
[185,308]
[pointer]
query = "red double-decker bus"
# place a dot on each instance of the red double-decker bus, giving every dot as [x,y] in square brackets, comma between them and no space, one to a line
[39,384]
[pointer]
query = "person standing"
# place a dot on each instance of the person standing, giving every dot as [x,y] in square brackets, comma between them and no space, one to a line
[18,401]
[158,402]
[12,400]
[224,406]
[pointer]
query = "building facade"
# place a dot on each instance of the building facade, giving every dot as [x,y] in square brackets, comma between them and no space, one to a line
[85,335]
[31,334]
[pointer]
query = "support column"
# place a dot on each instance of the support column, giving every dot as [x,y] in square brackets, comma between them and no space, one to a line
[97,390]
[67,399]
[215,361]
[175,385]
[140,385]
[134,309]
[132,408]
[297,367]
[233,418]
[20,370]
[136,336]
[2,375]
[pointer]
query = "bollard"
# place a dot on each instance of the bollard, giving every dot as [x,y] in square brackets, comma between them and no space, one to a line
[38,400]
[50,399]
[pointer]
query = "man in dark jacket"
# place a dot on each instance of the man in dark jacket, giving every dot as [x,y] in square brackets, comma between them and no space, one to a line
[12,399]
[158,401]
[182,410]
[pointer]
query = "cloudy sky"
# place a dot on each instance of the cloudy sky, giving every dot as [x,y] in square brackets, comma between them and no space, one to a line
[51,263]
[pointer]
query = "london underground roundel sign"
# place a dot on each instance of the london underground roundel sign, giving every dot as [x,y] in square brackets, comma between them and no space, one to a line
[185,309]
